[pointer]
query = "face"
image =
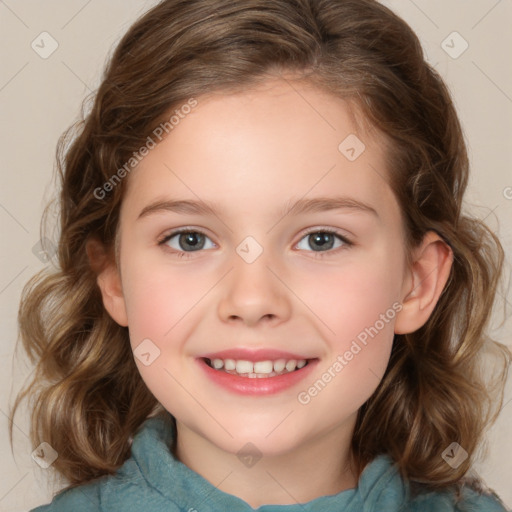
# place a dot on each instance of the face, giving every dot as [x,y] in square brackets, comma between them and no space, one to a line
[299,255]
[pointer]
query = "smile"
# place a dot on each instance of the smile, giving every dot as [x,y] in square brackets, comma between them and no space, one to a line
[259,373]
[258,369]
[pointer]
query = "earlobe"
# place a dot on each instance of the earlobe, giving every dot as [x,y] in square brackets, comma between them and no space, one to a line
[109,282]
[429,273]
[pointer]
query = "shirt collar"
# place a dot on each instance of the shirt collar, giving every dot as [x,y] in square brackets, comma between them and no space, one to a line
[379,483]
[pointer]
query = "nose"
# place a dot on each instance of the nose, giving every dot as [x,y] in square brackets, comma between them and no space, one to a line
[253,294]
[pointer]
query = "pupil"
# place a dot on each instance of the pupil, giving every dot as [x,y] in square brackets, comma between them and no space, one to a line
[322,240]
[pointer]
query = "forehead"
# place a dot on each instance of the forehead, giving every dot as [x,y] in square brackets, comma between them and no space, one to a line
[264,147]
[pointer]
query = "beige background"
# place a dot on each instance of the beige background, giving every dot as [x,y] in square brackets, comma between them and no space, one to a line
[40,97]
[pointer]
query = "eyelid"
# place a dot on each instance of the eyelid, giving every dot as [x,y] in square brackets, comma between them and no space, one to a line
[185,229]
[347,242]
[325,229]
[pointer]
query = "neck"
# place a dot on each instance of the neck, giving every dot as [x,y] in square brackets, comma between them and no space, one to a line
[314,469]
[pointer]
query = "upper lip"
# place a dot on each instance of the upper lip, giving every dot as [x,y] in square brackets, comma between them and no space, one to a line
[262,354]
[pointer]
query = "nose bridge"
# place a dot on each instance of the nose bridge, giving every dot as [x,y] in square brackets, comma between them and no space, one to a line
[253,293]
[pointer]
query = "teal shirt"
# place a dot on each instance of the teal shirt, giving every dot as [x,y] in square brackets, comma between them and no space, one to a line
[152,480]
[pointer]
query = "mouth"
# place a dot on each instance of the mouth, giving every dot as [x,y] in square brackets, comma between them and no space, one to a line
[256,373]
[263,369]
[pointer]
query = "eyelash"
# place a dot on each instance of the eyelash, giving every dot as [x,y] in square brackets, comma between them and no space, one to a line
[318,254]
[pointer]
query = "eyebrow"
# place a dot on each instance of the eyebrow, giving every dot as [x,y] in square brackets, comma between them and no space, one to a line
[319,204]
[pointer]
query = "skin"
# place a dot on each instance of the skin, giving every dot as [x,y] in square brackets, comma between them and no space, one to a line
[254,154]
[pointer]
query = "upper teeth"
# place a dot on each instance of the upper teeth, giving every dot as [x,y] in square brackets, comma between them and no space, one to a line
[241,366]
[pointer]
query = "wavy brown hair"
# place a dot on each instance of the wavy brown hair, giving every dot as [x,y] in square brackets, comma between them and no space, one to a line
[87,396]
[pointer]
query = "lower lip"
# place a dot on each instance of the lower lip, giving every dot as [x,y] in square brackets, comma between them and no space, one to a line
[257,386]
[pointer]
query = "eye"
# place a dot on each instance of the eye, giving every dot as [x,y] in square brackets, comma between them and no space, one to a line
[323,240]
[186,240]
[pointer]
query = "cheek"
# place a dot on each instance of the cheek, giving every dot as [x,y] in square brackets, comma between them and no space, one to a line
[160,304]
[353,296]
[159,298]
[357,303]
[358,310]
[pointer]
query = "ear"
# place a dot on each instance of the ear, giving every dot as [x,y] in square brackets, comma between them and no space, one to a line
[109,281]
[427,277]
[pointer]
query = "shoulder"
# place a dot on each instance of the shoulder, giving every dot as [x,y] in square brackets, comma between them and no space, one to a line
[468,500]
[93,496]
[84,498]
[125,489]
[381,485]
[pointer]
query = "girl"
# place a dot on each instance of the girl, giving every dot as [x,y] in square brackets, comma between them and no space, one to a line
[268,296]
